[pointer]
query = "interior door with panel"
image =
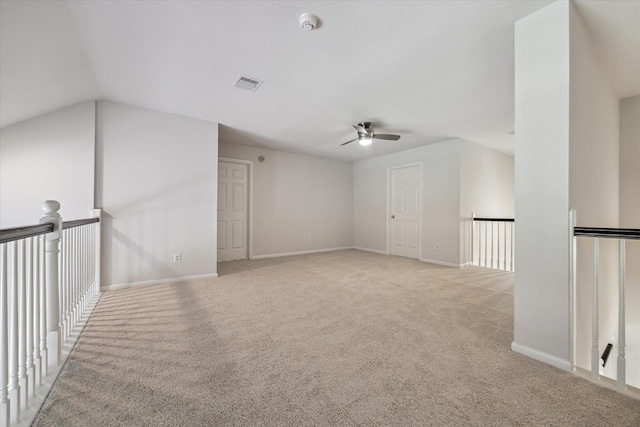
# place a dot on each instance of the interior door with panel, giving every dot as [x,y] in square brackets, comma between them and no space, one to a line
[405,211]
[233,213]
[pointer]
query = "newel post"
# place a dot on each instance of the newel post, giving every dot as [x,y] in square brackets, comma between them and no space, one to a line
[52,249]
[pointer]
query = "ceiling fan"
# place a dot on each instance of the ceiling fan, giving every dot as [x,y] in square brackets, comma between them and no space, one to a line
[366,134]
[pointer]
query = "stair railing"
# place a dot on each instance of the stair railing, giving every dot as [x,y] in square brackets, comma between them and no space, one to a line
[595,233]
[49,276]
[492,243]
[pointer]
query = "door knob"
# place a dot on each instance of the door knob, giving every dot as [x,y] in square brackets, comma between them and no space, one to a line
[393,216]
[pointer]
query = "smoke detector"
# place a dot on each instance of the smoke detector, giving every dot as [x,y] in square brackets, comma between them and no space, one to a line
[308,21]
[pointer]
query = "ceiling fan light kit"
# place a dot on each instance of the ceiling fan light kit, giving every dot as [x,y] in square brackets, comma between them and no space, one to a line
[366,135]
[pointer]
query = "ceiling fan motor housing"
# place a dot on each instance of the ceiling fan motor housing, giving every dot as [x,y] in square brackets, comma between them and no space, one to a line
[368,126]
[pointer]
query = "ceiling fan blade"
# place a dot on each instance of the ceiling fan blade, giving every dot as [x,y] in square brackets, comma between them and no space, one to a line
[360,129]
[386,136]
[349,142]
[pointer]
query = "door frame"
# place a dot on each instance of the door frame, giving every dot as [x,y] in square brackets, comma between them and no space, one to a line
[249,196]
[390,169]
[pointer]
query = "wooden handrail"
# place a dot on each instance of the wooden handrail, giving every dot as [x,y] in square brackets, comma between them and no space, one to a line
[79,222]
[610,233]
[17,233]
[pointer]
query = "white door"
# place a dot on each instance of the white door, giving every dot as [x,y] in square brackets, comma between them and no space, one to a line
[405,211]
[233,213]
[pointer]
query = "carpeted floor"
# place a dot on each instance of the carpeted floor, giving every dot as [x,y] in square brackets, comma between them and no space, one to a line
[336,339]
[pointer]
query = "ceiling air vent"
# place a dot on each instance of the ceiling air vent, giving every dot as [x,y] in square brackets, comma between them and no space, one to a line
[248,83]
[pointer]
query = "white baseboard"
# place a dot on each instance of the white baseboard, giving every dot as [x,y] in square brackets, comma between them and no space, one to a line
[313,251]
[466,264]
[370,250]
[541,356]
[119,286]
[446,264]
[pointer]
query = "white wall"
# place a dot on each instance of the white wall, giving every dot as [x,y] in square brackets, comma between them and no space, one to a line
[486,181]
[296,196]
[156,181]
[50,157]
[566,156]
[440,200]
[541,303]
[630,218]
[593,184]
[486,188]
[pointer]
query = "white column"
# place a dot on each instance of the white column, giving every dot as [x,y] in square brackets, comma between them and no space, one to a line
[621,322]
[97,213]
[4,339]
[51,208]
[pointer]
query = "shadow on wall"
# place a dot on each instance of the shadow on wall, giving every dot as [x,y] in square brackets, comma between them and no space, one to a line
[140,233]
[135,255]
[237,136]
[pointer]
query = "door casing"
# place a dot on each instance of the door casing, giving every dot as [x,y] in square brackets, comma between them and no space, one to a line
[249,163]
[389,207]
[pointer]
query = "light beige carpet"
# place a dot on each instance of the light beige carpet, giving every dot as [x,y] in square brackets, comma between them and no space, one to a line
[337,339]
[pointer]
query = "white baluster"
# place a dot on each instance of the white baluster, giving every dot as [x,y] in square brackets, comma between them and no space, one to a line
[473,229]
[621,321]
[43,309]
[4,339]
[85,267]
[75,272]
[70,274]
[504,247]
[81,258]
[54,345]
[66,285]
[30,371]
[37,360]
[595,356]
[68,244]
[14,335]
[22,327]
[513,241]
[492,240]
[486,243]
[498,245]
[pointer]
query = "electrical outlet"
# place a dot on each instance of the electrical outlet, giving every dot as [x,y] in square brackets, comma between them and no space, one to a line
[177,258]
[308,238]
[437,246]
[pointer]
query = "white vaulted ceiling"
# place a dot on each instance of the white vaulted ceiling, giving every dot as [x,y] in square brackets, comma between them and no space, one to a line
[430,70]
